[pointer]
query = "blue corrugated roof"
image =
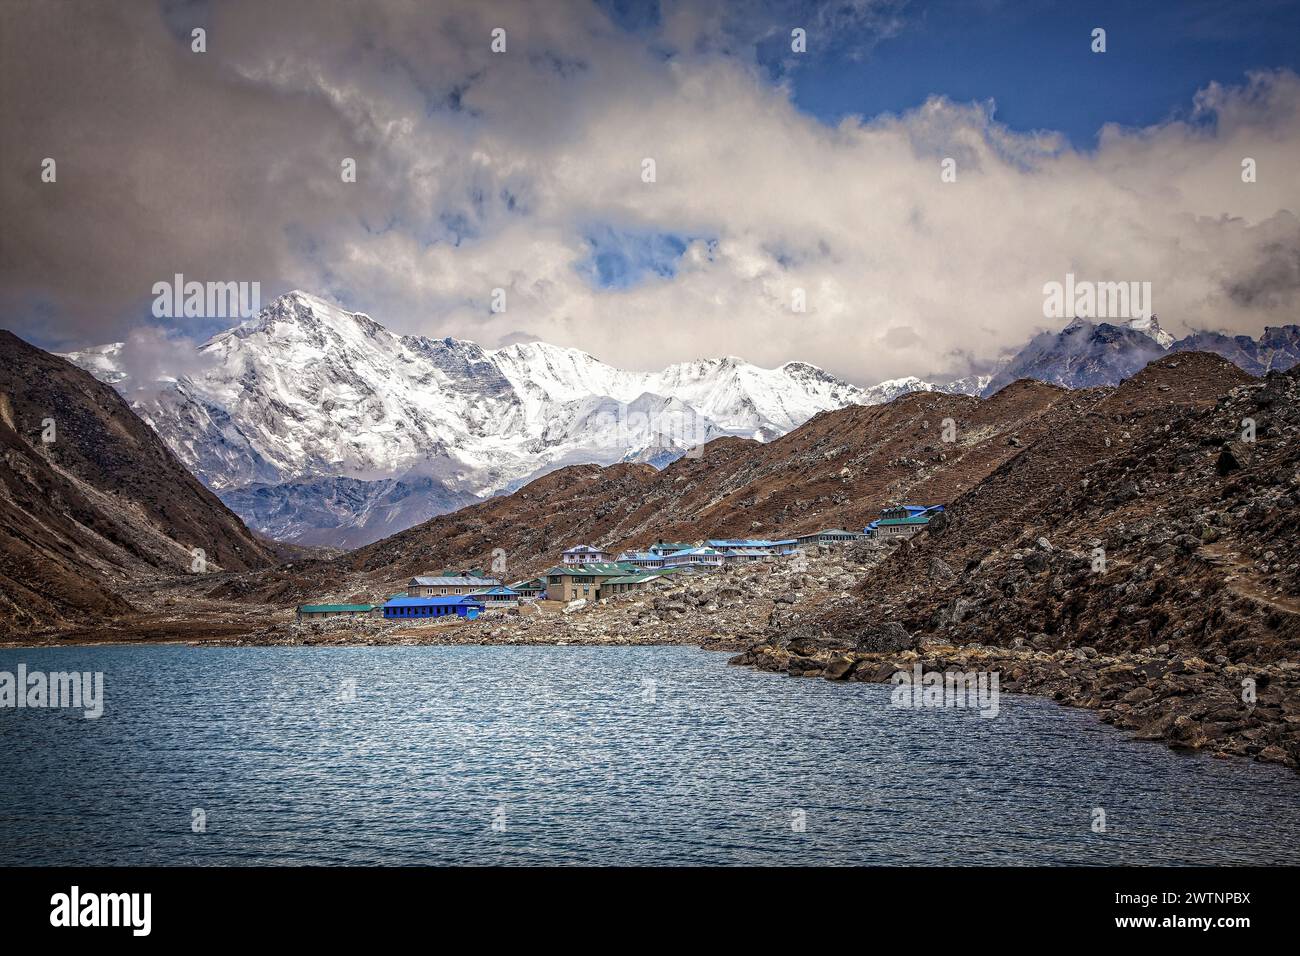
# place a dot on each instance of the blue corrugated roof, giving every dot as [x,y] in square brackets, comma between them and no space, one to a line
[448,601]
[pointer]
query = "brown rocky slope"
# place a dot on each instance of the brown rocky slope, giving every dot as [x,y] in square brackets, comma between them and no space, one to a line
[1142,560]
[102,505]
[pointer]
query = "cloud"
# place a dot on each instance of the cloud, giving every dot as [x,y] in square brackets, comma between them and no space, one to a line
[149,355]
[479,171]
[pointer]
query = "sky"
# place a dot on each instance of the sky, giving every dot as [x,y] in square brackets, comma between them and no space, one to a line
[780,175]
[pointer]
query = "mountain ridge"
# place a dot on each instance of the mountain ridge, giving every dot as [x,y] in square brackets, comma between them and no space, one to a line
[306,392]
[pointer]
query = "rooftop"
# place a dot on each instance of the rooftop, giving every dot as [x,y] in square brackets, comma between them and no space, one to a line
[594,567]
[451,600]
[643,576]
[452,581]
[334,608]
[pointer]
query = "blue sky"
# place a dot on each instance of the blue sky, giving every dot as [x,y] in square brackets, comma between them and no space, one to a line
[1034,59]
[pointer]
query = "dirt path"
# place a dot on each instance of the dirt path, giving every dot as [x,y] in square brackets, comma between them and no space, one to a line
[1242,580]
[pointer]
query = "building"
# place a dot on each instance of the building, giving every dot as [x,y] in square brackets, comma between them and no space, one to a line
[449,585]
[667,548]
[315,612]
[642,559]
[902,521]
[632,582]
[404,608]
[694,557]
[499,596]
[828,536]
[746,555]
[463,573]
[529,590]
[725,545]
[583,582]
[586,554]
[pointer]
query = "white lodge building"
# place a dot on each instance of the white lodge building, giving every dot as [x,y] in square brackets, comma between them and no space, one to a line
[586,554]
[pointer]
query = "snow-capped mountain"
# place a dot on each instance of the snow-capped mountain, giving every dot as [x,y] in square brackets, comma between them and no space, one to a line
[342,512]
[1083,355]
[1086,354]
[1277,349]
[1150,327]
[892,388]
[308,391]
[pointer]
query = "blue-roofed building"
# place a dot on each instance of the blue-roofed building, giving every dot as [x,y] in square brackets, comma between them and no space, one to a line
[828,536]
[749,545]
[403,608]
[642,559]
[694,558]
[901,521]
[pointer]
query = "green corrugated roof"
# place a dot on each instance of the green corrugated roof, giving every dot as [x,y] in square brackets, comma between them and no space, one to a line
[334,608]
[644,576]
[596,568]
[914,519]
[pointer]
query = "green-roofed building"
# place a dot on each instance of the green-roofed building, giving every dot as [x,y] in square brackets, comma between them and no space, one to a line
[634,582]
[316,612]
[532,588]
[574,582]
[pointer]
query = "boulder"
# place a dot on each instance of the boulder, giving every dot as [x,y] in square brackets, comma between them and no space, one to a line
[884,639]
[837,668]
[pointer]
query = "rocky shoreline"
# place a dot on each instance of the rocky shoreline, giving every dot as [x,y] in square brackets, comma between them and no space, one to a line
[1185,702]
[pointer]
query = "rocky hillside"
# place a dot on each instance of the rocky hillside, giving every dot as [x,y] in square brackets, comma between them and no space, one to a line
[99,505]
[1142,560]
[1148,474]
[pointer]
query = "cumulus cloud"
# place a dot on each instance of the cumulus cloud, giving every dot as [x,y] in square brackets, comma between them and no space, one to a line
[479,171]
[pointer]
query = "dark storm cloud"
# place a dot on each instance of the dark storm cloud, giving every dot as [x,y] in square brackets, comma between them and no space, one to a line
[1272,280]
[167,162]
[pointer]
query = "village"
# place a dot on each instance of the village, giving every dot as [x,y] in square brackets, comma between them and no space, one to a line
[588,575]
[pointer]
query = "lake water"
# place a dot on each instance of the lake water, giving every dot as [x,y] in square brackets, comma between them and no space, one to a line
[589,755]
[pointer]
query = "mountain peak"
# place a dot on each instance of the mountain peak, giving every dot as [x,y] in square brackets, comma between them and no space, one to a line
[1151,327]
